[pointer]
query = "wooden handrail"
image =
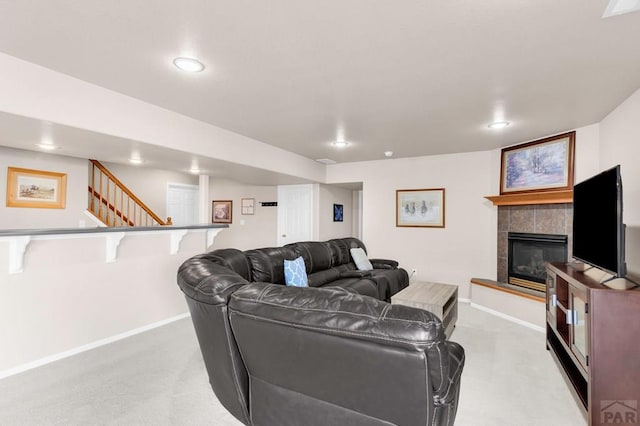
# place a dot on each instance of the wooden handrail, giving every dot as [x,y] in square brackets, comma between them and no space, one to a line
[127,191]
[111,207]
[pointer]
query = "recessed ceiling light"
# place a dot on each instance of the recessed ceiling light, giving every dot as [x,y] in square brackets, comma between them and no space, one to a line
[498,124]
[46,146]
[135,160]
[188,64]
[194,170]
[340,144]
[388,153]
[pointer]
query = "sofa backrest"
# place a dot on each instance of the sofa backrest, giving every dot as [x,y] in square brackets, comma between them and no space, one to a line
[267,264]
[325,260]
[340,249]
[299,343]
[316,254]
[207,284]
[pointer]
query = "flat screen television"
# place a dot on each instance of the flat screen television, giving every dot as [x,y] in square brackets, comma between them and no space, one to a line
[598,230]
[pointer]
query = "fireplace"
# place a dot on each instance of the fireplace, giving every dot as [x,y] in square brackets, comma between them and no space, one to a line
[528,255]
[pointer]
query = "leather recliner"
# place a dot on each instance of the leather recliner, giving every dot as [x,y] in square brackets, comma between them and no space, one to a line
[278,355]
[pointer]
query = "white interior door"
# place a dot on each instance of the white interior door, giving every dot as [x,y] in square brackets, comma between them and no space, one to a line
[182,204]
[295,213]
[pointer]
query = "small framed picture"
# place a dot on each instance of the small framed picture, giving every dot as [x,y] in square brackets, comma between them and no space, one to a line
[420,207]
[247,205]
[222,211]
[36,189]
[338,212]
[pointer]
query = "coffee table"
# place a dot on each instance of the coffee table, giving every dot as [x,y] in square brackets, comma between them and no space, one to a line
[441,299]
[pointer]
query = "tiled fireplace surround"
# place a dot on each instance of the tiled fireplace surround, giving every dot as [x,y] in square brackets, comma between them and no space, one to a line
[535,218]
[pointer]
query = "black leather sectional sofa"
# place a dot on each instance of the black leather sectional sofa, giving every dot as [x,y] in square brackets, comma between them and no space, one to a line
[329,264]
[333,353]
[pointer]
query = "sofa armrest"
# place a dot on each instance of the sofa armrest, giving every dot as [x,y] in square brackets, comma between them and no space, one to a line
[355,274]
[384,264]
[203,279]
[445,400]
[448,393]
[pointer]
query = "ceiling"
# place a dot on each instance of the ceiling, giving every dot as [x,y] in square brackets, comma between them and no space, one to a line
[413,77]
[26,133]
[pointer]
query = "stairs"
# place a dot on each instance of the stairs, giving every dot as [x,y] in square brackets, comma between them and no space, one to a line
[111,202]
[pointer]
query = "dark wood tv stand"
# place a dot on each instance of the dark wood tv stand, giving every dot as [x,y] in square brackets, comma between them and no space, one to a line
[593,333]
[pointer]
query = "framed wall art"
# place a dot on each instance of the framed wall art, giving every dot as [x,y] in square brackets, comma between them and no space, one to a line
[36,189]
[222,211]
[420,207]
[247,205]
[338,212]
[542,165]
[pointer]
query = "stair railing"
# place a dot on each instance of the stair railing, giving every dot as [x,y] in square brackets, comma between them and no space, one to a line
[114,204]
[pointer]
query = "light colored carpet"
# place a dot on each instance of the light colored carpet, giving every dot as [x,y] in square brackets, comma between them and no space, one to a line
[509,377]
[158,378]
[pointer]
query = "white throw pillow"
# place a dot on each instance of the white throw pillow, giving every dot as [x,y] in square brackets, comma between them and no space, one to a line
[361,260]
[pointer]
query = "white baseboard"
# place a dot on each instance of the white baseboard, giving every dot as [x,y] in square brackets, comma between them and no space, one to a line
[463,300]
[55,357]
[508,317]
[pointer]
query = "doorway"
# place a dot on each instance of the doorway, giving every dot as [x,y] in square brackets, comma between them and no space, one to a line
[295,213]
[182,204]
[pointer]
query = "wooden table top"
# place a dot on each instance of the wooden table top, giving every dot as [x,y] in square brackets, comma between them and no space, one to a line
[426,292]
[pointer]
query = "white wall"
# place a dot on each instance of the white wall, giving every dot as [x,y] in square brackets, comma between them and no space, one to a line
[247,231]
[587,162]
[260,230]
[465,248]
[77,195]
[356,216]
[68,296]
[150,185]
[620,144]
[328,196]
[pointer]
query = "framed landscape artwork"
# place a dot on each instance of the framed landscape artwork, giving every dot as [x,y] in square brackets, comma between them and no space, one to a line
[36,189]
[222,211]
[420,208]
[542,165]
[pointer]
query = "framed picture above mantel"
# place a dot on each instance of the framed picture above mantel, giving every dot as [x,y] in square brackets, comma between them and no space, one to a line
[539,166]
